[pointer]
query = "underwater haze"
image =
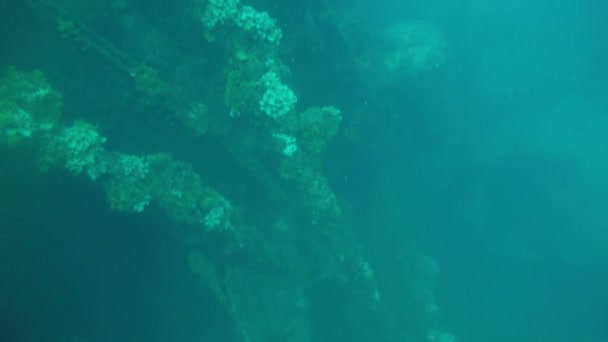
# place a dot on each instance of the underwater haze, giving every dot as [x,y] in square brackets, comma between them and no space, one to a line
[323,170]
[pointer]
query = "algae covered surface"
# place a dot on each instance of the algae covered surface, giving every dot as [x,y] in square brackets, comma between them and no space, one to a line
[325,170]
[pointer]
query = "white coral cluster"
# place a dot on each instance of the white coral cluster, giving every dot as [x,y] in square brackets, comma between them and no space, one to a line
[21,126]
[278,99]
[290,146]
[129,190]
[217,217]
[246,18]
[28,106]
[259,23]
[82,147]
[219,12]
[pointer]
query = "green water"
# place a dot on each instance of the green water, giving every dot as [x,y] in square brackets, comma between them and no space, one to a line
[303,171]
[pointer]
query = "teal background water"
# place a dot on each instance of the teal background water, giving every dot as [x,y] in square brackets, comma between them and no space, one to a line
[500,173]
